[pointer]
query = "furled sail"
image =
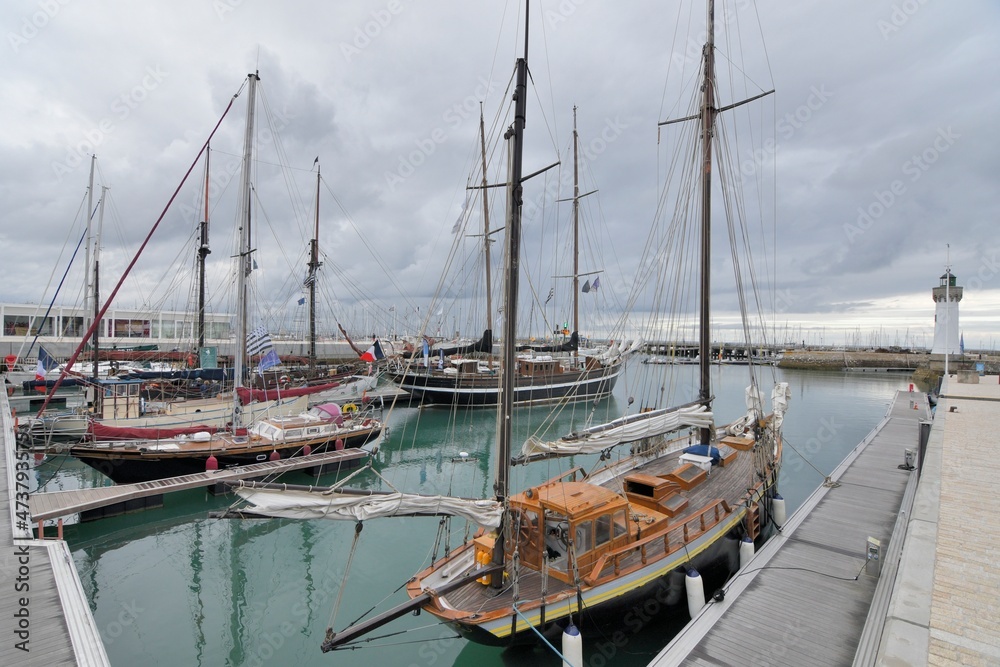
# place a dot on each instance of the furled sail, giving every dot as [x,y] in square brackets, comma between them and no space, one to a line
[622,430]
[325,504]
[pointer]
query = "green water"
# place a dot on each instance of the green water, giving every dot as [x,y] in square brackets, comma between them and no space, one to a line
[174,587]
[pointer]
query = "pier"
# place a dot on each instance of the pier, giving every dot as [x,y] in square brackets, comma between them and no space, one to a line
[882,564]
[46,618]
[62,503]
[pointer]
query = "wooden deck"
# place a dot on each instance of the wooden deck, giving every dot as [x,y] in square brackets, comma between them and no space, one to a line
[798,601]
[62,503]
[43,599]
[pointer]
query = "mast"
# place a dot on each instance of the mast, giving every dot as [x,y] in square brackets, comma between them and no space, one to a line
[95,340]
[203,252]
[576,232]
[311,280]
[245,261]
[89,286]
[708,112]
[515,140]
[486,226]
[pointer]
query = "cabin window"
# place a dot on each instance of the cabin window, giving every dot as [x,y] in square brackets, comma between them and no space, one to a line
[584,536]
[312,430]
[602,532]
[293,433]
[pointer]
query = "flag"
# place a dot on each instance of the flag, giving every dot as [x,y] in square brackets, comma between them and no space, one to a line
[586,287]
[552,293]
[427,354]
[961,343]
[373,353]
[258,340]
[45,364]
[597,283]
[302,301]
[310,278]
[461,216]
[269,359]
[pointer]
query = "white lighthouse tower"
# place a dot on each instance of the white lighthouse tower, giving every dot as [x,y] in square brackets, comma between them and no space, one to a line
[946,332]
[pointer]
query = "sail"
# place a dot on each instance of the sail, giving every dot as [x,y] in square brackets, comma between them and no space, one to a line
[620,431]
[302,504]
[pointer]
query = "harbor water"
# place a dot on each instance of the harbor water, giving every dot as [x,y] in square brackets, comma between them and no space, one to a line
[172,586]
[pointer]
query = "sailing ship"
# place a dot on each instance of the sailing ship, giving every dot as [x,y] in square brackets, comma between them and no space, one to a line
[544,374]
[680,510]
[195,449]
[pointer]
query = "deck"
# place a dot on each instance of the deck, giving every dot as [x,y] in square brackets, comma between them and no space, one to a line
[805,597]
[46,619]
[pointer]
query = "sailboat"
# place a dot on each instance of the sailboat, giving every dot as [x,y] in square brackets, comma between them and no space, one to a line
[676,513]
[543,374]
[265,438]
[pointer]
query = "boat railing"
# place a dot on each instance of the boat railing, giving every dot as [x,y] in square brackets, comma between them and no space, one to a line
[659,544]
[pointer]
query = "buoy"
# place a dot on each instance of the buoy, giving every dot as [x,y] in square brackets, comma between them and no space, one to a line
[212,463]
[274,455]
[339,445]
[695,592]
[778,510]
[572,646]
[349,409]
[746,551]
[306,450]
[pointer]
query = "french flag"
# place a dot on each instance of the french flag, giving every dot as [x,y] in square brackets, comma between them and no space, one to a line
[45,364]
[373,353]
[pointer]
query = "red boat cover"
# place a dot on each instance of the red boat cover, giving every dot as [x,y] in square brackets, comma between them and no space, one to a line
[250,395]
[104,432]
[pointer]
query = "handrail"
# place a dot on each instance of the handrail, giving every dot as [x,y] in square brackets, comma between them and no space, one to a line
[616,554]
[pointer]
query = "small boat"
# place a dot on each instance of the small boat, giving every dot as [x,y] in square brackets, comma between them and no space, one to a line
[321,428]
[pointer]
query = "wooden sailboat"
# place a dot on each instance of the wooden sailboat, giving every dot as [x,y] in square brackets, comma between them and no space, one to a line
[677,512]
[540,376]
[315,430]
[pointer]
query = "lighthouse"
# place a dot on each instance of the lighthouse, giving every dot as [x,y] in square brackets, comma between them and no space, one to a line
[946,297]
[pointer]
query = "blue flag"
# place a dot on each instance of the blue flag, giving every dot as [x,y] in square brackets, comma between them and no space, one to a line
[269,359]
[302,301]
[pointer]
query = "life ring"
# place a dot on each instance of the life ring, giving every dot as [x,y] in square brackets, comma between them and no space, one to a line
[349,409]
[283,379]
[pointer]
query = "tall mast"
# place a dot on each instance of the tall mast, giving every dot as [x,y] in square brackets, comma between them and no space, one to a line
[203,252]
[708,112]
[486,226]
[245,262]
[88,261]
[515,142]
[95,340]
[311,279]
[576,231]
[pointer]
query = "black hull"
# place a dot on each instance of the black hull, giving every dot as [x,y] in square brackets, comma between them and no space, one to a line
[131,467]
[484,391]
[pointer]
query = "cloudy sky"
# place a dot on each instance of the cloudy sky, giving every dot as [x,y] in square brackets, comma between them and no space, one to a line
[883,123]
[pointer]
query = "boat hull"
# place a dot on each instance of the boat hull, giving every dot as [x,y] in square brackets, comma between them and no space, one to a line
[131,466]
[483,389]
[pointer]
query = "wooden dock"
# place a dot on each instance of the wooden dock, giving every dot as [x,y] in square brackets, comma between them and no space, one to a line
[805,597]
[45,618]
[62,503]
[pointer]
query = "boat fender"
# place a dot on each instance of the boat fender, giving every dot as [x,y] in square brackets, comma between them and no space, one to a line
[13,413]
[274,455]
[746,551]
[339,445]
[572,646]
[349,409]
[695,592]
[306,450]
[212,463]
[778,511]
